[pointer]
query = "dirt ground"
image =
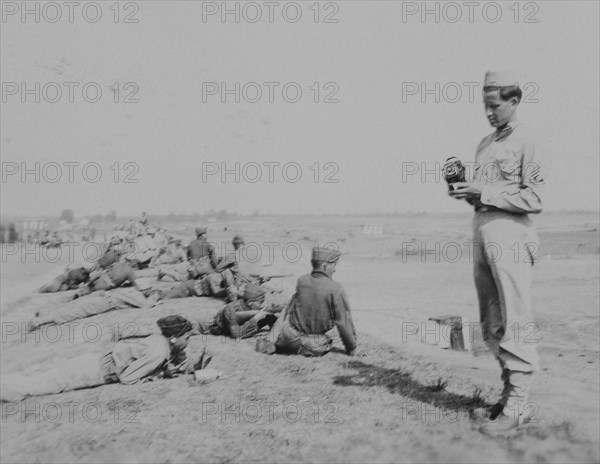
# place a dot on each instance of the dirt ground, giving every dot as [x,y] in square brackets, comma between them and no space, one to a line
[408,401]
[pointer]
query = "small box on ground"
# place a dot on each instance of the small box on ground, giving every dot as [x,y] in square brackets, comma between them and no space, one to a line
[451,331]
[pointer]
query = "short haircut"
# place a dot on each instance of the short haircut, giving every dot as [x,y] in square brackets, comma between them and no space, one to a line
[506,92]
[316,264]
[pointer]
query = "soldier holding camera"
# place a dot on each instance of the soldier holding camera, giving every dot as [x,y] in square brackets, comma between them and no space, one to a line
[504,191]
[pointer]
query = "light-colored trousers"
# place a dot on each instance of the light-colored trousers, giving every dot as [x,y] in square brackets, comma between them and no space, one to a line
[92,304]
[83,371]
[504,251]
[293,341]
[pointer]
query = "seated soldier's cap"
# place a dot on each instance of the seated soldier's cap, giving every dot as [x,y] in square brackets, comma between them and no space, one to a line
[201,230]
[151,230]
[252,292]
[500,79]
[174,326]
[238,239]
[325,255]
[142,283]
[115,240]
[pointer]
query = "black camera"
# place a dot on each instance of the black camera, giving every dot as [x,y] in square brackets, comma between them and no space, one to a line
[453,171]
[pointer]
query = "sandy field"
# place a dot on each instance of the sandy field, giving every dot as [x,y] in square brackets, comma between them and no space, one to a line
[408,401]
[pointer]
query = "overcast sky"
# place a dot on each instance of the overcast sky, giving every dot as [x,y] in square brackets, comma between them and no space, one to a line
[160,138]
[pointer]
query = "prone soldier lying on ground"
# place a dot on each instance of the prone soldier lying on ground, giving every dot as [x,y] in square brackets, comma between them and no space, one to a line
[71,279]
[242,318]
[113,253]
[96,303]
[115,276]
[173,253]
[239,319]
[145,250]
[128,362]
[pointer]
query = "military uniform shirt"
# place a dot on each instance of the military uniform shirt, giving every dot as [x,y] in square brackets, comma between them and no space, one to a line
[318,305]
[200,248]
[138,358]
[508,170]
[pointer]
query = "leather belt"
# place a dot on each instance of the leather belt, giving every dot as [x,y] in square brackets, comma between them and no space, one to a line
[493,209]
[487,209]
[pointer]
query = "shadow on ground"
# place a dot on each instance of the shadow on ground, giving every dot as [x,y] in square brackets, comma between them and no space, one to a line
[400,381]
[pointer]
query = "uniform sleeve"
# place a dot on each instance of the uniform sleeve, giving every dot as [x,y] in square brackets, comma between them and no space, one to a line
[131,275]
[281,320]
[343,321]
[213,256]
[522,195]
[142,367]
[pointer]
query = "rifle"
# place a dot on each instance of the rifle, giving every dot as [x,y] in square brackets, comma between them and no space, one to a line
[264,279]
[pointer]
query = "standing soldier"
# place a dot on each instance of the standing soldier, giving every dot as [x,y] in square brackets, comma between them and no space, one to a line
[504,191]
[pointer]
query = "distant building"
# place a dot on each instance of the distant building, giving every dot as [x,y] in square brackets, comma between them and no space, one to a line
[372,229]
[34,224]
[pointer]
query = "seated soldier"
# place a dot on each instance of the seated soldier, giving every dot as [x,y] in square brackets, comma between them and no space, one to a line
[319,305]
[173,264]
[69,280]
[201,250]
[97,303]
[128,362]
[145,249]
[244,269]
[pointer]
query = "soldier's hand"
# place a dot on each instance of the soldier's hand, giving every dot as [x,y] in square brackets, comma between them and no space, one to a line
[462,190]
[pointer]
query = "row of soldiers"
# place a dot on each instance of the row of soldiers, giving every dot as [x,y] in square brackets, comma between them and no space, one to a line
[118,281]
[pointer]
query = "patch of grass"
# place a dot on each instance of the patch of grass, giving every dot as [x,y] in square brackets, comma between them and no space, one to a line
[477,400]
[439,385]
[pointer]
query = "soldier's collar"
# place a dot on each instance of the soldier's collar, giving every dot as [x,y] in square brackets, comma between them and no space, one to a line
[313,273]
[512,125]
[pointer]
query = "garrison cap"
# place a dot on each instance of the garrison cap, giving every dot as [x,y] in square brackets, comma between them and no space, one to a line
[497,79]
[201,230]
[174,326]
[238,239]
[325,255]
[252,292]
